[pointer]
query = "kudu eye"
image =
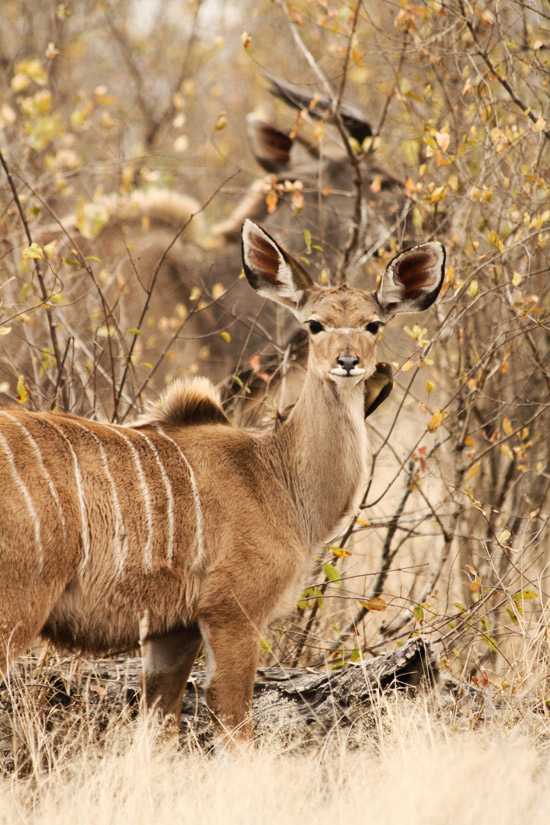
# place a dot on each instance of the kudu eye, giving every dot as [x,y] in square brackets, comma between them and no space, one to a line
[315,327]
[373,327]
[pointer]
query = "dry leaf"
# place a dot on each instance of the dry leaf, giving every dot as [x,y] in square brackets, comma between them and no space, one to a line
[436,421]
[376,603]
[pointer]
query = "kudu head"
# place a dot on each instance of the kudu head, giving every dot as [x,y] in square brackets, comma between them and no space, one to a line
[342,321]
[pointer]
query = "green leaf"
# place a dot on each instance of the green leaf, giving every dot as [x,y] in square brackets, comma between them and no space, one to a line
[310,597]
[307,240]
[22,392]
[525,596]
[418,612]
[490,642]
[331,573]
[33,252]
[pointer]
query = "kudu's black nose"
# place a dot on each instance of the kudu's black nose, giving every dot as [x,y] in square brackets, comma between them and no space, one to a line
[347,362]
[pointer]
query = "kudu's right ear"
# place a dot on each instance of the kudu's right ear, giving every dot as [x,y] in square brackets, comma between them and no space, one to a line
[270,270]
[412,279]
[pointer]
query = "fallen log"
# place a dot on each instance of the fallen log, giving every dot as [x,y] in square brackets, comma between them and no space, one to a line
[308,696]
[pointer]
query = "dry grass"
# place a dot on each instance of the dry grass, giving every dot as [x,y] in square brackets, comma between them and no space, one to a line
[421,761]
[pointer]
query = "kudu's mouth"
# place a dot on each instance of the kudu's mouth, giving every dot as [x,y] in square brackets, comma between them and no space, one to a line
[354,372]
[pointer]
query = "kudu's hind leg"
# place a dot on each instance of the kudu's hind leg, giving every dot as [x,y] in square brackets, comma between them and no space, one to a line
[167,662]
[232,658]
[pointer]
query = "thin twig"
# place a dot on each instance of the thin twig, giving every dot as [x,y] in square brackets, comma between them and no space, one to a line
[60,382]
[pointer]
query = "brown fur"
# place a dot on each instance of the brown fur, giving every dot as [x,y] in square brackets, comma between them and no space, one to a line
[186,402]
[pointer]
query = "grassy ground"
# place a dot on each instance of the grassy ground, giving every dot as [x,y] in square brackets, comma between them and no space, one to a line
[428,760]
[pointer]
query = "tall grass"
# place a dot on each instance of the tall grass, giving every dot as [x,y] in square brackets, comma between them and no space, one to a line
[407,762]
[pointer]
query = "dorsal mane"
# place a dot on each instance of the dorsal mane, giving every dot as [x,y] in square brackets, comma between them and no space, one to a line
[186,402]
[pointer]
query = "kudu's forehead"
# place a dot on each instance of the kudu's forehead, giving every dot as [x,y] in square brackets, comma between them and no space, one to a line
[340,306]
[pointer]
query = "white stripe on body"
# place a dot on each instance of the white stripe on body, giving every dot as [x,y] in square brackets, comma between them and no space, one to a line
[147,550]
[169,496]
[199,519]
[43,469]
[84,523]
[120,544]
[23,489]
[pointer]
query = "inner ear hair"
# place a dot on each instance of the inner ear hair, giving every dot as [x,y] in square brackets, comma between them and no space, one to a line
[415,270]
[412,279]
[270,146]
[270,269]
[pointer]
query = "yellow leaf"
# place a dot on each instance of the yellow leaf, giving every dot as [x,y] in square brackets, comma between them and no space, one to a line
[438,194]
[436,421]
[430,386]
[495,240]
[32,69]
[469,441]
[376,603]
[5,330]
[340,552]
[246,40]
[473,471]
[33,252]
[195,294]
[503,536]
[517,278]
[507,425]
[221,122]
[475,586]
[363,522]
[22,392]
[19,83]
[51,248]
[271,200]
[226,336]
[217,291]
[473,289]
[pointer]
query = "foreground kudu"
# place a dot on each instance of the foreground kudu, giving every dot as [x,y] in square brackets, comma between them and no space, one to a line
[182,528]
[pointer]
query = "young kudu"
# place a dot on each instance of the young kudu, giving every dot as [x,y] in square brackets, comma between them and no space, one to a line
[181,528]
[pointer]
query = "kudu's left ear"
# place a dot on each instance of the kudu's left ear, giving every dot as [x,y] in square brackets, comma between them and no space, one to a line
[270,270]
[412,279]
[269,145]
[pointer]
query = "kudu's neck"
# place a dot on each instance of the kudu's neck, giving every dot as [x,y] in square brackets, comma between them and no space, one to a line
[322,452]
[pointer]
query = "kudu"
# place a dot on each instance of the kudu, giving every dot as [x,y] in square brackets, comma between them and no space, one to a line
[181,528]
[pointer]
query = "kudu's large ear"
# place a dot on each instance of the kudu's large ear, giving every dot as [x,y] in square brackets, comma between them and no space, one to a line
[269,145]
[277,152]
[270,270]
[412,279]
